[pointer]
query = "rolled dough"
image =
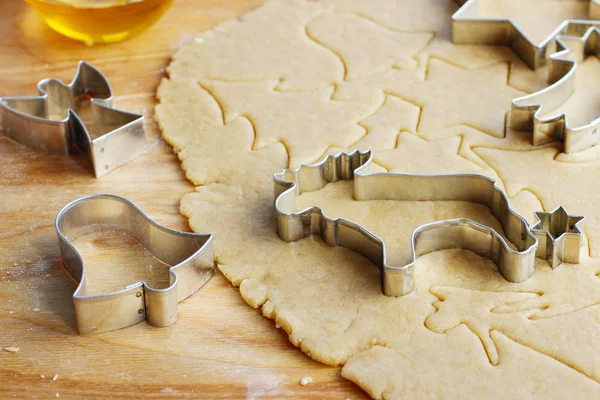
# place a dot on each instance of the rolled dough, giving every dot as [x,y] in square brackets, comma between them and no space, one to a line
[294,80]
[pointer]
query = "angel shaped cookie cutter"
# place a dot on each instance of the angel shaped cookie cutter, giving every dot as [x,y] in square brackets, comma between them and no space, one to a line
[78,114]
[514,264]
[189,254]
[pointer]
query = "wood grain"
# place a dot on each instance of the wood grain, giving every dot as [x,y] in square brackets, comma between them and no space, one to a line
[220,347]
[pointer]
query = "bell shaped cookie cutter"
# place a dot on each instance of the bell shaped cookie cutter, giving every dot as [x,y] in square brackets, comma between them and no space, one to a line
[527,112]
[78,114]
[189,254]
[514,264]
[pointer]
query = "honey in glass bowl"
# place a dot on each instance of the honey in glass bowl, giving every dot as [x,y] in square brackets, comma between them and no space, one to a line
[100,21]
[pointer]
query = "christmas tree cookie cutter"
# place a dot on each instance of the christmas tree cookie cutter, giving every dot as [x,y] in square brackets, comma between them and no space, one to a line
[78,114]
[515,265]
[527,112]
[189,254]
[562,49]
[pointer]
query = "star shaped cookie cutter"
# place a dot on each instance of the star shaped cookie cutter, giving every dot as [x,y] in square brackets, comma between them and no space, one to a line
[189,254]
[559,235]
[527,111]
[78,114]
[469,27]
[515,265]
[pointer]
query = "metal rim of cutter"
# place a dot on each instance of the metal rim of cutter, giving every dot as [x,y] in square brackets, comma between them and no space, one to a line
[564,48]
[189,254]
[118,138]
[468,27]
[292,225]
[527,111]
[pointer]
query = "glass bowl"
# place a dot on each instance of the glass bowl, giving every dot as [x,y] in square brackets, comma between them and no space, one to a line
[100,21]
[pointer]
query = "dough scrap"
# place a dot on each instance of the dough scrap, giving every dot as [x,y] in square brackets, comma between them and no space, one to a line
[227,53]
[286,84]
[371,48]
[446,103]
[316,123]
[460,372]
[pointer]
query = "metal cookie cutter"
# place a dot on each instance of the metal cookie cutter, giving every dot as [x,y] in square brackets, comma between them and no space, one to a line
[78,114]
[559,235]
[292,225]
[527,111]
[469,27]
[190,254]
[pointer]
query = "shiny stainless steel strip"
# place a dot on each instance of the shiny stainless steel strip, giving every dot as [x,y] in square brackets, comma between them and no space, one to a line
[189,254]
[78,114]
[515,265]
[527,113]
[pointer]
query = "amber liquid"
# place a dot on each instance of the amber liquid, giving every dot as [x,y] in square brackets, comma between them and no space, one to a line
[100,21]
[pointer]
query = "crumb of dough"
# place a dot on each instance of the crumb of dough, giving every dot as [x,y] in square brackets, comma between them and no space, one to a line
[12,349]
[57,394]
[42,376]
[55,377]
[305,381]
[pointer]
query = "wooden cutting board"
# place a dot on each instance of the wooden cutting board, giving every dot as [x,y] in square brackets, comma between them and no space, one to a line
[220,348]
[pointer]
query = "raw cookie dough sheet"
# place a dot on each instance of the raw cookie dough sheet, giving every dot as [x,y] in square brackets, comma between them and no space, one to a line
[295,80]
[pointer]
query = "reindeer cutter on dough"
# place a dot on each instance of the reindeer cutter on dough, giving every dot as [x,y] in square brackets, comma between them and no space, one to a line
[556,237]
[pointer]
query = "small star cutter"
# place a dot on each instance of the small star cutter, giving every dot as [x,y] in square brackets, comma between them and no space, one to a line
[527,111]
[559,235]
[78,114]
[515,262]
[469,27]
[189,254]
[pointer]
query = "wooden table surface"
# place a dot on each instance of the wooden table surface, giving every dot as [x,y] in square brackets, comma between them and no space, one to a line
[220,347]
